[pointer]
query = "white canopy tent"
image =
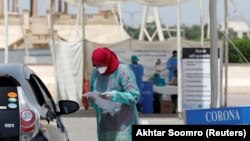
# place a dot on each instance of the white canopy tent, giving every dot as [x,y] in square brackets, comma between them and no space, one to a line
[103,34]
[109,2]
[173,2]
[145,2]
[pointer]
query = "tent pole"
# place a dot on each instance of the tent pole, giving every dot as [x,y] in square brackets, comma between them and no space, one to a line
[83,40]
[179,56]
[226,52]
[85,80]
[52,42]
[51,21]
[202,21]
[208,29]
[214,54]
[6,32]
[85,76]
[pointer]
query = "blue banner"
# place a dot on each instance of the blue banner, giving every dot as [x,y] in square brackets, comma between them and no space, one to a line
[218,116]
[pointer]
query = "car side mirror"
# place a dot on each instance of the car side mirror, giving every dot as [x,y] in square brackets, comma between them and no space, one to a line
[67,107]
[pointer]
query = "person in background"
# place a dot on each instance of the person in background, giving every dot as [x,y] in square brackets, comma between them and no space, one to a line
[172,65]
[116,82]
[157,65]
[174,80]
[158,80]
[138,71]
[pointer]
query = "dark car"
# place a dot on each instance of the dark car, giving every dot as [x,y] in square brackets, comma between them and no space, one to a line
[27,109]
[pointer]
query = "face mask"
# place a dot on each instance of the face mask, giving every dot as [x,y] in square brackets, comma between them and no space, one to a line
[101,70]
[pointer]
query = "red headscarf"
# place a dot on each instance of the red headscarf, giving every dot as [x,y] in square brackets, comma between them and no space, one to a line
[105,57]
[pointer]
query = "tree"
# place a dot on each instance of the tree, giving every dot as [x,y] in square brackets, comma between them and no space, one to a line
[132,32]
[193,33]
[243,45]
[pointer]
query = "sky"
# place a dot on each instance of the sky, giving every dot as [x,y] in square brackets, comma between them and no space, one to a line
[190,11]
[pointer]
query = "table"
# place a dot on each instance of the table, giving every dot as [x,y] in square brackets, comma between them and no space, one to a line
[166,90]
[168,93]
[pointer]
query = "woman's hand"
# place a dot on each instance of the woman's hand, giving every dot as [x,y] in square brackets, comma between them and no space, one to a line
[107,95]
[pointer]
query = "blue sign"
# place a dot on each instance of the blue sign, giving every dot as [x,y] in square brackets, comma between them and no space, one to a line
[218,116]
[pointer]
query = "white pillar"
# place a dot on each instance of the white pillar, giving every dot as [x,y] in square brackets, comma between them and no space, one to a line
[226,53]
[158,24]
[143,23]
[179,56]
[202,21]
[208,27]
[215,103]
[120,14]
[143,29]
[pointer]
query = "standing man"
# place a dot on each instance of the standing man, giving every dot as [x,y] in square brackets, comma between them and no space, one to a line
[172,65]
[138,71]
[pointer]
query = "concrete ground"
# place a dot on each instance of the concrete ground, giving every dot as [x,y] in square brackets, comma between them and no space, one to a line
[238,78]
[82,124]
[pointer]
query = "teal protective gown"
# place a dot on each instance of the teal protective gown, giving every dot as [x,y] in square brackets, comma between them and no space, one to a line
[122,84]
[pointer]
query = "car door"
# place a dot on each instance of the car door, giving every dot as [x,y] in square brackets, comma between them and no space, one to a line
[45,100]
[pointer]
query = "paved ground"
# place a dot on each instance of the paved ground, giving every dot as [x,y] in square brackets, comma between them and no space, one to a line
[38,56]
[82,125]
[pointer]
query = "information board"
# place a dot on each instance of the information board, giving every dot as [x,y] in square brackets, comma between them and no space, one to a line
[196,79]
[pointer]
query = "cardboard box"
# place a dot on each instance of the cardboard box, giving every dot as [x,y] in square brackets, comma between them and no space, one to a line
[167,107]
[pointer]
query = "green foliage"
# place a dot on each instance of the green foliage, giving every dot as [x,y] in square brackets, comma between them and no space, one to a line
[243,46]
[193,33]
[132,32]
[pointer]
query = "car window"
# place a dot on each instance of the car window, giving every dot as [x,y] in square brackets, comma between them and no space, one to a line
[42,94]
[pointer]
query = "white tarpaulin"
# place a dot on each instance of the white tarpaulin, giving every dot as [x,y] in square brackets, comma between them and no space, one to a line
[145,2]
[69,67]
[105,34]
[69,61]
[148,53]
